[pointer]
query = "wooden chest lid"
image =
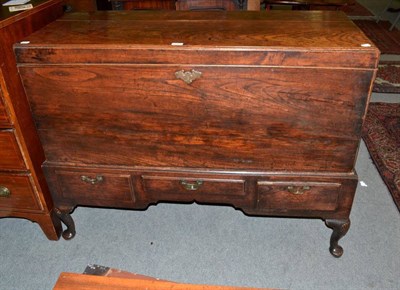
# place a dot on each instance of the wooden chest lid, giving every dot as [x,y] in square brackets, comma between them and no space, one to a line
[312,38]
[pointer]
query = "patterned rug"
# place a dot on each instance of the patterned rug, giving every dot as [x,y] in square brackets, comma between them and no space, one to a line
[388,77]
[387,41]
[381,133]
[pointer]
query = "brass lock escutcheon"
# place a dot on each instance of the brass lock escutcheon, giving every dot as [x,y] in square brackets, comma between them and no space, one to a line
[95,180]
[188,76]
[195,185]
[4,191]
[298,189]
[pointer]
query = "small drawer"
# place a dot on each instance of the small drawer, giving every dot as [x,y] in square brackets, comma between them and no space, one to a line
[17,193]
[95,188]
[200,189]
[10,155]
[288,195]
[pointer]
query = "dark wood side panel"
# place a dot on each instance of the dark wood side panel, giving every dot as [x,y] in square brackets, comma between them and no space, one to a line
[145,116]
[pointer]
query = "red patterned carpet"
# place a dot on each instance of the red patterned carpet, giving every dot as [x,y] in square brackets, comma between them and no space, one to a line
[387,41]
[381,134]
[388,77]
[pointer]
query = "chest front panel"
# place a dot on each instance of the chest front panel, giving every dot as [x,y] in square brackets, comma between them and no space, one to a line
[267,118]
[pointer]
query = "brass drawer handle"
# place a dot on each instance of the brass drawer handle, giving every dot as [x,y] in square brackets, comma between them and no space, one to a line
[188,76]
[87,179]
[4,191]
[298,189]
[191,185]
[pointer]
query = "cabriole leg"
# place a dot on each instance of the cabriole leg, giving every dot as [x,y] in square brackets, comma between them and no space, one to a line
[340,228]
[65,217]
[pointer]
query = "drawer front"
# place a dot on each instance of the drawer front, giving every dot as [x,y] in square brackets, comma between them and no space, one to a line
[303,195]
[94,188]
[226,117]
[10,155]
[3,114]
[195,188]
[16,193]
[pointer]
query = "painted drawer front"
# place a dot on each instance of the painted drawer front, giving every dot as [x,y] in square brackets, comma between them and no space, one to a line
[94,188]
[204,117]
[10,155]
[195,188]
[17,193]
[298,195]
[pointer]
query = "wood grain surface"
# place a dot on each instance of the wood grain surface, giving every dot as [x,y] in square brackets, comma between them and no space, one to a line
[78,281]
[105,115]
[10,156]
[260,111]
[22,196]
[30,198]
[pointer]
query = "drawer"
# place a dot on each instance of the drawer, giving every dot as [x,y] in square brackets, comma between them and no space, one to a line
[95,188]
[303,195]
[3,114]
[10,155]
[192,188]
[16,193]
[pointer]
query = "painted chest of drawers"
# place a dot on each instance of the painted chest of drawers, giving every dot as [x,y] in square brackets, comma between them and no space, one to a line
[260,111]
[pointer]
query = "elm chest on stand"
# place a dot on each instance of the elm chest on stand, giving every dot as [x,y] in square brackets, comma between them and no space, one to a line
[260,111]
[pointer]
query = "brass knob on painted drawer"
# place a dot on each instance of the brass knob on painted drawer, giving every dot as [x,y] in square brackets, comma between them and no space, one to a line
[4,191]
[298,189]
[95,180]
[191,185]
[188,76]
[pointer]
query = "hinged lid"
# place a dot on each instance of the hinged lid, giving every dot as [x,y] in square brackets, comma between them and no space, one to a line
[288,38]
